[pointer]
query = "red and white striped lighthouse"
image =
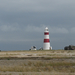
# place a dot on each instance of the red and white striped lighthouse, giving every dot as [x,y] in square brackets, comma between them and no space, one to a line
[46,43]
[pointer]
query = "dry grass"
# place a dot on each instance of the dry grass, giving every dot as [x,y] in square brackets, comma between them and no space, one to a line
[38,66]
[45,53]
[53,62]
[36,73]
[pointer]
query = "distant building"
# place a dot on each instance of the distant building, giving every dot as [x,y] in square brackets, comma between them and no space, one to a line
[70,47]
[41,48]
[33,48]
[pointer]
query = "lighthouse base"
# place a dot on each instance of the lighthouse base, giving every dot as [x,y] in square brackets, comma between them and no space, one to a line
[46,46]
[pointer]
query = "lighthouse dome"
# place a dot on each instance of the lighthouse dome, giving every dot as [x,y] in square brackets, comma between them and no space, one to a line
[46,29]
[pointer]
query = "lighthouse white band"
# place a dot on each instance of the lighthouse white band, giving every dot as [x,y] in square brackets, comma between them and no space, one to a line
[46,46]
[46,36]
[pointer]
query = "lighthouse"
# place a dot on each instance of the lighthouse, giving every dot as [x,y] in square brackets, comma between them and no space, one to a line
[46,42]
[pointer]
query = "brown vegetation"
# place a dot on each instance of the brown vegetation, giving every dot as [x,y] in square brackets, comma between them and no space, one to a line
[56,65]
[40,63]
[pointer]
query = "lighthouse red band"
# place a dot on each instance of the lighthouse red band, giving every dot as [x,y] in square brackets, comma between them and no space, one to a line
[46,33]
[46,40]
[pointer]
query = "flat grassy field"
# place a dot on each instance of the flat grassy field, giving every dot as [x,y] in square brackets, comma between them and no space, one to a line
[42,53]
[53,62]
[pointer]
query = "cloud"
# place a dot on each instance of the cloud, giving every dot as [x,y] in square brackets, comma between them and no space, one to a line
[15,33]
[52,29]
[25,20]
[58,30]
[36,12]
[9,28]
[34,5]
[72,30]
[32,28]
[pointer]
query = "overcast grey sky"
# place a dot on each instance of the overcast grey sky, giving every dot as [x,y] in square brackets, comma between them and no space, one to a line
[22,23]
